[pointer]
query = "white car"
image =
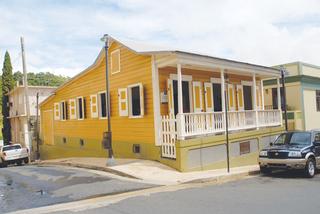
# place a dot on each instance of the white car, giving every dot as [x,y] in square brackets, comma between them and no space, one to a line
[11,154]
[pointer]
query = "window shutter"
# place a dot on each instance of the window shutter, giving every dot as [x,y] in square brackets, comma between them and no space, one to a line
[208,92]
[258,100]
[197,97]
[72,109]
[94,106]
[123,102]
[170,97]
[66,110]
[240,97]
[231,97]
[84,108]
[56,111]
[115,61]
[141,99]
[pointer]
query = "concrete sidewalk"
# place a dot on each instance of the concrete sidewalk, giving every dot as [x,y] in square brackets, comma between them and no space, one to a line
[152,171]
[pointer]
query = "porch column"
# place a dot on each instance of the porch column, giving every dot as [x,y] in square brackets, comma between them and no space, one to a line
[262,95]
[223,99]
[279,99]
[156,102]
[255,99]
[180,118]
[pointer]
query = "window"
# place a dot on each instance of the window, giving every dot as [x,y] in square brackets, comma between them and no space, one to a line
[318,99]
[72,109]
[136,105]
[80,108]
[102,105]
[244,148]
[115,61]
[63,110]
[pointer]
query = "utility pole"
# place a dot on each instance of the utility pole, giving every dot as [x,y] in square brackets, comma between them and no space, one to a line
[25,79]
[37,127]
[226,119]
[283,71]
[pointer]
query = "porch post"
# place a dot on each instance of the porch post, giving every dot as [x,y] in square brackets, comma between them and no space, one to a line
[180,118]
[156,102]
[255,99]
[279,100]
[223,96]
[262,94]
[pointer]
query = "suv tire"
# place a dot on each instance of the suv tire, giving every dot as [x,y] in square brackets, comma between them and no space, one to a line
[310,169]
[265,170]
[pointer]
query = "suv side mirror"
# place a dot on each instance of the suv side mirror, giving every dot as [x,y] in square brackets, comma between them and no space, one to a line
[316,143]
[271,143]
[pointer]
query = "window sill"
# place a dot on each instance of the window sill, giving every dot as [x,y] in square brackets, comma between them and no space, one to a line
[103,118]
[133,117]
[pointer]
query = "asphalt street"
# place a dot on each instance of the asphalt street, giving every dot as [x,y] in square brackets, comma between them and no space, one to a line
[281,193]
[34,186]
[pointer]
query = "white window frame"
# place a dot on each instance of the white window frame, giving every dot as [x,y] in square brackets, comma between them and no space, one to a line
[99,106]
[77,108]
[65,110]
[141,100]
[111,55]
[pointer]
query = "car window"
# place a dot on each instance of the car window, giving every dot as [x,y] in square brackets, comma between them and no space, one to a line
[8,148]
[317,137]
[303,138]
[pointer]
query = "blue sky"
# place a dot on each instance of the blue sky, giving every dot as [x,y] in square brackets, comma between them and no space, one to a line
[64,36]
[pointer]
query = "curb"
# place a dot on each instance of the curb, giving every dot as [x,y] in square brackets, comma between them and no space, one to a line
[85,166]
[224,178]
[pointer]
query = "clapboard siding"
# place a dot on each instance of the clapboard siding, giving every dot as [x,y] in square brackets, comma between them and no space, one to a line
[133,69]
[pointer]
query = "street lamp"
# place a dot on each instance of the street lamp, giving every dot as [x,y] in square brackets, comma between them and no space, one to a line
[107,136]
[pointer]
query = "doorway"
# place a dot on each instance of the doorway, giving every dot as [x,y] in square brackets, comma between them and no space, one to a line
[185,97]
[217,99]
[247,96]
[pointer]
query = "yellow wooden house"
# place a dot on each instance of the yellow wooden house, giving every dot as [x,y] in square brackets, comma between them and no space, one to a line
[166,105]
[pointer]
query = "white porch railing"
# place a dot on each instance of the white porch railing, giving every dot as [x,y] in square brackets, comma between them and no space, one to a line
[203,123]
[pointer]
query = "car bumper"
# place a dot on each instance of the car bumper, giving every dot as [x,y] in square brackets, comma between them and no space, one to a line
[283,163]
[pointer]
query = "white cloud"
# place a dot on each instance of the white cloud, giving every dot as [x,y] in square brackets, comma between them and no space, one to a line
[64,37]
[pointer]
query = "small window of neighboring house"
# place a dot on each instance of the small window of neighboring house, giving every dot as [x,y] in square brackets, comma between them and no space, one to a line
[136,100]
[102,105]
[115,61]
[56,111]
[318,99]
[80,108]
[72,109]
[63,110]
[94,106]
[244,148]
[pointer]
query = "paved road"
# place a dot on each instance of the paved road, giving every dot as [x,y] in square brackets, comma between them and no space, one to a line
[33,186]
[282,193]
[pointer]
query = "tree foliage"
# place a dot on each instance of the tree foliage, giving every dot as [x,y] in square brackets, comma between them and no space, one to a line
[41,79]
[7,85]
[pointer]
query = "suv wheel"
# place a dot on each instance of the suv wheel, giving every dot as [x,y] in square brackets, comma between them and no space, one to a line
[310,169]
[265,170]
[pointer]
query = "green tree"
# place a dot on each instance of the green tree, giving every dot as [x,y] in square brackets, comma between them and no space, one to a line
[7,85]
[41,79]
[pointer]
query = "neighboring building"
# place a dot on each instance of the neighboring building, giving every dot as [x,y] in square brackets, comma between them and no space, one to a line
[166,105]
[302,84]
[18,111]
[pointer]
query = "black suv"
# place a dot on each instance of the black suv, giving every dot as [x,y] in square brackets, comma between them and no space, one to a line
[292,150]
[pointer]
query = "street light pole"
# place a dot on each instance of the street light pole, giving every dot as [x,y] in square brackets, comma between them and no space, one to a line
[108,135]
[282,70]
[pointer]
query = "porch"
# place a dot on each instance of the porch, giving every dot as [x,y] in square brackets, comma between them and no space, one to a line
[196,98]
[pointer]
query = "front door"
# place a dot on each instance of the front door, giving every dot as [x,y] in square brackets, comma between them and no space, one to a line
[185,97]
[217,100]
